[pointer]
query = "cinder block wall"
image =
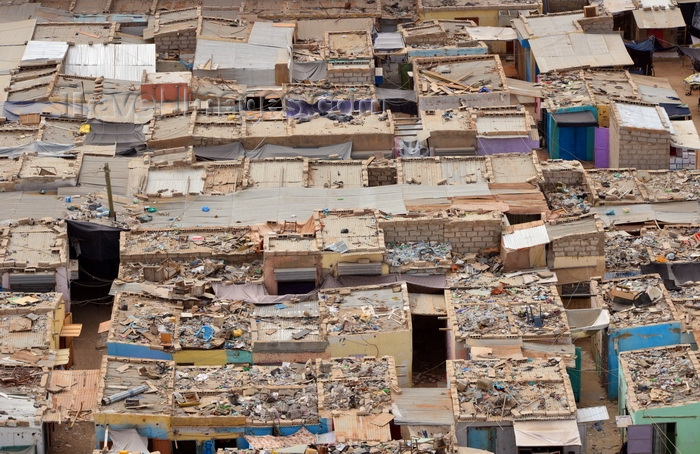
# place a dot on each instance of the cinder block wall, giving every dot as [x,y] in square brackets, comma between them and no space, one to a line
[568,177]
[647,150]
[464,234]
[584,245]
[599,24]
[181,42]
[381,175]
[346,75]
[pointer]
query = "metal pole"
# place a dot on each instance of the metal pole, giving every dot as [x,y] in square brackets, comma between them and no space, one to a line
[108,183]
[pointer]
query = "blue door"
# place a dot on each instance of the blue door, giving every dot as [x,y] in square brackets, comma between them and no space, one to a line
[482,438]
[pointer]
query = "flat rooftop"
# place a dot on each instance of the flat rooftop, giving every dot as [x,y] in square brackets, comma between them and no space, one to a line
[367,309]
[75,33]
[441,5]
[171,271]
[337,174]
[408,253]
[660,377]
[342,45]
[510,390]
[508,312]
[215,242]
[277,173]
[290,323]
[515,168]
[627,314]
[34,246]
[452,170]
[285,243]
[624,251]
[120,374]
[221,325]
[359,232]
[144,320]
[28,382]
[224,177]
[357,384]
[214,378]
[24,303]
[676,240]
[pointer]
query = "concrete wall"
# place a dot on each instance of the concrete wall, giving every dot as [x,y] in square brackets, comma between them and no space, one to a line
[560,6]
[297,259]
[466,138]
[464,234]
[504,437]
[480,48]
[23,437]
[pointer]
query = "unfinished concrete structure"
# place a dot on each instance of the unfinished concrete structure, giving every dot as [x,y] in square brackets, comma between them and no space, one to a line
[350,57]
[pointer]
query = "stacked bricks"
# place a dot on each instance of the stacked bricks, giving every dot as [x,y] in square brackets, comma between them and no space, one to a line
[382,173]
[427,33]
[180,42]
[559,171]
[471,234]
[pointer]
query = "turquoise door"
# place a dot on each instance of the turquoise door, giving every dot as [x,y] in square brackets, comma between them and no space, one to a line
[482,438]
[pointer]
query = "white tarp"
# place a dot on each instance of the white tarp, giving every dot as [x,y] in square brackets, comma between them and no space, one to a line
[45,50]
[547,433]
[128,440]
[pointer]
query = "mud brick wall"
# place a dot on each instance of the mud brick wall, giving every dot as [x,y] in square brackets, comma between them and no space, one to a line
[466,235]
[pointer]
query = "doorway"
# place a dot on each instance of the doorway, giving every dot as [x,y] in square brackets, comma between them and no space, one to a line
[429,351]
[295,287]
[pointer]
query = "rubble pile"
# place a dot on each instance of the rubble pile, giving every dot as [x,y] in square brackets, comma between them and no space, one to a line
[141,323]
[355,368]
[174,271]
[674,244]
[615,186]
[370,396]
[174,240]
[671,185]
[216,326]
[230,376]
[685,292]
[376,315]
[567,200]
[564,89]
[663,376]
[484,320]
[431,252]
[636,302]
[489,390]
[475,271]
[624,251]
[543,319]
[89,208]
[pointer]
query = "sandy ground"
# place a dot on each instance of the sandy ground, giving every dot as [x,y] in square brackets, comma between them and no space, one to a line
[675,70]
[81,437]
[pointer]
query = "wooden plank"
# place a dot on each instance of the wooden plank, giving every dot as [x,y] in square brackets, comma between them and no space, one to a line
[72,330]
[435,75]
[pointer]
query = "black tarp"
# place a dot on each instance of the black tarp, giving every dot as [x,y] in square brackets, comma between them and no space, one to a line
[228,152]
[642,53]
[676,111]
[575,119]
[96,247]
[694,54]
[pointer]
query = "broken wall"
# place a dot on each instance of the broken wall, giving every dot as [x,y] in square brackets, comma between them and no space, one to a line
[381,173]
[351,74]
[470,234]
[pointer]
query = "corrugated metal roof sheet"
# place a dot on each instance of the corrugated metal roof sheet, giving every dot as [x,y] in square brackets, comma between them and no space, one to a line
[423,406]
[685,135]
[271,34]
[353,427]
[575,50]
[79,393]
[661,18]
[491,33]
[525,238]
[114,61]
[45,50]
[389,41]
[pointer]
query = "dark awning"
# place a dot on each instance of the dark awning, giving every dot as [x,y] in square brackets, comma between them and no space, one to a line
[575,119]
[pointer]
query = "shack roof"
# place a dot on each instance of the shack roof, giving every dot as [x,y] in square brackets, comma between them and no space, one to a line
[75,33]
[211,378]
[625,314]
[25,303]
[343,45]
[365,309]
[301,9]
[641,117]
[660,377]
[549,24]
[289,243]
[515,168]
[576,49]
[120,374]
[172,271]
[337,174]
[433,170]
[36,246]
[359,232]
[23,399]
[295,323]
[277,172]
[503,122]
[464,74]
[141,244]
[535,389]
[613,186]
